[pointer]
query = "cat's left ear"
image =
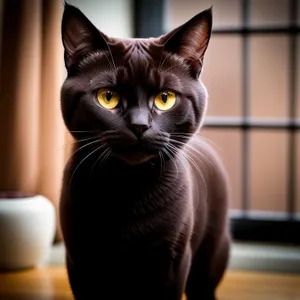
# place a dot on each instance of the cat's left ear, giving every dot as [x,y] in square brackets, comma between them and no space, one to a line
[79,36]
[190,40]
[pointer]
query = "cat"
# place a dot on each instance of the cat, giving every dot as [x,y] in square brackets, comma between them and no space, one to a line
[144,201]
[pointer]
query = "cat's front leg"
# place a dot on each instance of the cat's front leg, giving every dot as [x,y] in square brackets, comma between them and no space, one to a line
[84,283]
[180,275]
[78,283]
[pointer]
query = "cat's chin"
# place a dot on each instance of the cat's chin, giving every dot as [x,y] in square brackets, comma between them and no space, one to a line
[135,159]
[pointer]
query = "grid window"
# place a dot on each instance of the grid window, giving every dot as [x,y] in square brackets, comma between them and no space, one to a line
[258,86]
[268,170]
[226,99]
[269,76]
[298,79]
[231,141]
[298,174]
[269,13]
[227,13]
[252,72]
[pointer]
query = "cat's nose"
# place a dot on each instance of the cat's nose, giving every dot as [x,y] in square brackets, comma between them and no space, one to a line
[138,120]
[139,129]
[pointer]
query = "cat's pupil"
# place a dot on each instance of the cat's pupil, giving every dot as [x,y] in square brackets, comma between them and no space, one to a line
[108,95]
[164,97]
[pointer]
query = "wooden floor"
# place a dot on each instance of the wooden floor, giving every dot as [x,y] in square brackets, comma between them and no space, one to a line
[51,283]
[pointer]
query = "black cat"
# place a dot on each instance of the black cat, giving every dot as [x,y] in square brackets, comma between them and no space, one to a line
[144,199]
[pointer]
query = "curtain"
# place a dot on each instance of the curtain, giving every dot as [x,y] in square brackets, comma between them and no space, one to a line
[32,133]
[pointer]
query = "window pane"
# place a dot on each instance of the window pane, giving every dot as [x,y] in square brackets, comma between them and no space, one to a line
[222,75]
[268,170]
[298,77]
[298,172]
[227,143]
[226,12]
[269,12]
[269,76]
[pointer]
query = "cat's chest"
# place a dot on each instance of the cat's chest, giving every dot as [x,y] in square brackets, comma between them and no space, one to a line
[116,188]
[127,201]
[127,205]
[124,216]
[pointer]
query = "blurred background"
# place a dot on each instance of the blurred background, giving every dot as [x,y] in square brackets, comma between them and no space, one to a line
[251,71]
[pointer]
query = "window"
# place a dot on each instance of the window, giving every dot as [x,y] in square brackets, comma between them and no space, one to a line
[252,72]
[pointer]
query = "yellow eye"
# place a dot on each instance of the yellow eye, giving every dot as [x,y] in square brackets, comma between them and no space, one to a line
[165,100]
[108,98]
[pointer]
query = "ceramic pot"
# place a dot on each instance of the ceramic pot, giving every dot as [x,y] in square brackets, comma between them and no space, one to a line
[27,229]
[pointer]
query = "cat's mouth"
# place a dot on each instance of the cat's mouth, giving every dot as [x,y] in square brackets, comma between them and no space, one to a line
[131,150]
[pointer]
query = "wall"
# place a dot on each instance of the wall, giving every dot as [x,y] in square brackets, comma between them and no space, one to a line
[113,17]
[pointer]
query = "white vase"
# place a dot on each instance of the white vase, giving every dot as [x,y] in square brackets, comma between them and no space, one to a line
[27,229]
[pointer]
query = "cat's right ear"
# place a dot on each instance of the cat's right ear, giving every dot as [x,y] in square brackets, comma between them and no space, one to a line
[190,40]
[79,36]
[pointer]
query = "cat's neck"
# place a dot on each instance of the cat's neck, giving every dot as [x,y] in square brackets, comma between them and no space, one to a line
[150,171]
[155,171]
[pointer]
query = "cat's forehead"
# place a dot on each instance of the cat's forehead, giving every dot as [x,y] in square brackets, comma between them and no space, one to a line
[137,49]
[137,42]
[135,59]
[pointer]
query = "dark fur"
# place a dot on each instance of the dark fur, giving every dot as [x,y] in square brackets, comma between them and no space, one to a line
[139,220]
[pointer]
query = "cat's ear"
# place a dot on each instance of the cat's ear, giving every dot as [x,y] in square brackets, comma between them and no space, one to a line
[79,36]
[190,40]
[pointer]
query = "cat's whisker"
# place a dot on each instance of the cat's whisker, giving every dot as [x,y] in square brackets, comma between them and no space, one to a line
[206,141]
[161,63]
[81,162]
[109,61]
[182,135]
[199,139]
[180,157]
[109,152]
[193,149]
[166,151]
[112,65]
[102,158]
[191,160]
[191,139]
[202,157]
[190,134]
[112,58]
[80,131]
[188,163]
[185,163]
[201,174]
[187,134]
[161,160]
[84,146]
[102,155]
[77,141]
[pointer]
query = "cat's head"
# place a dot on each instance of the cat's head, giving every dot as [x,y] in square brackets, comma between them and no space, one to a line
[141,97]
